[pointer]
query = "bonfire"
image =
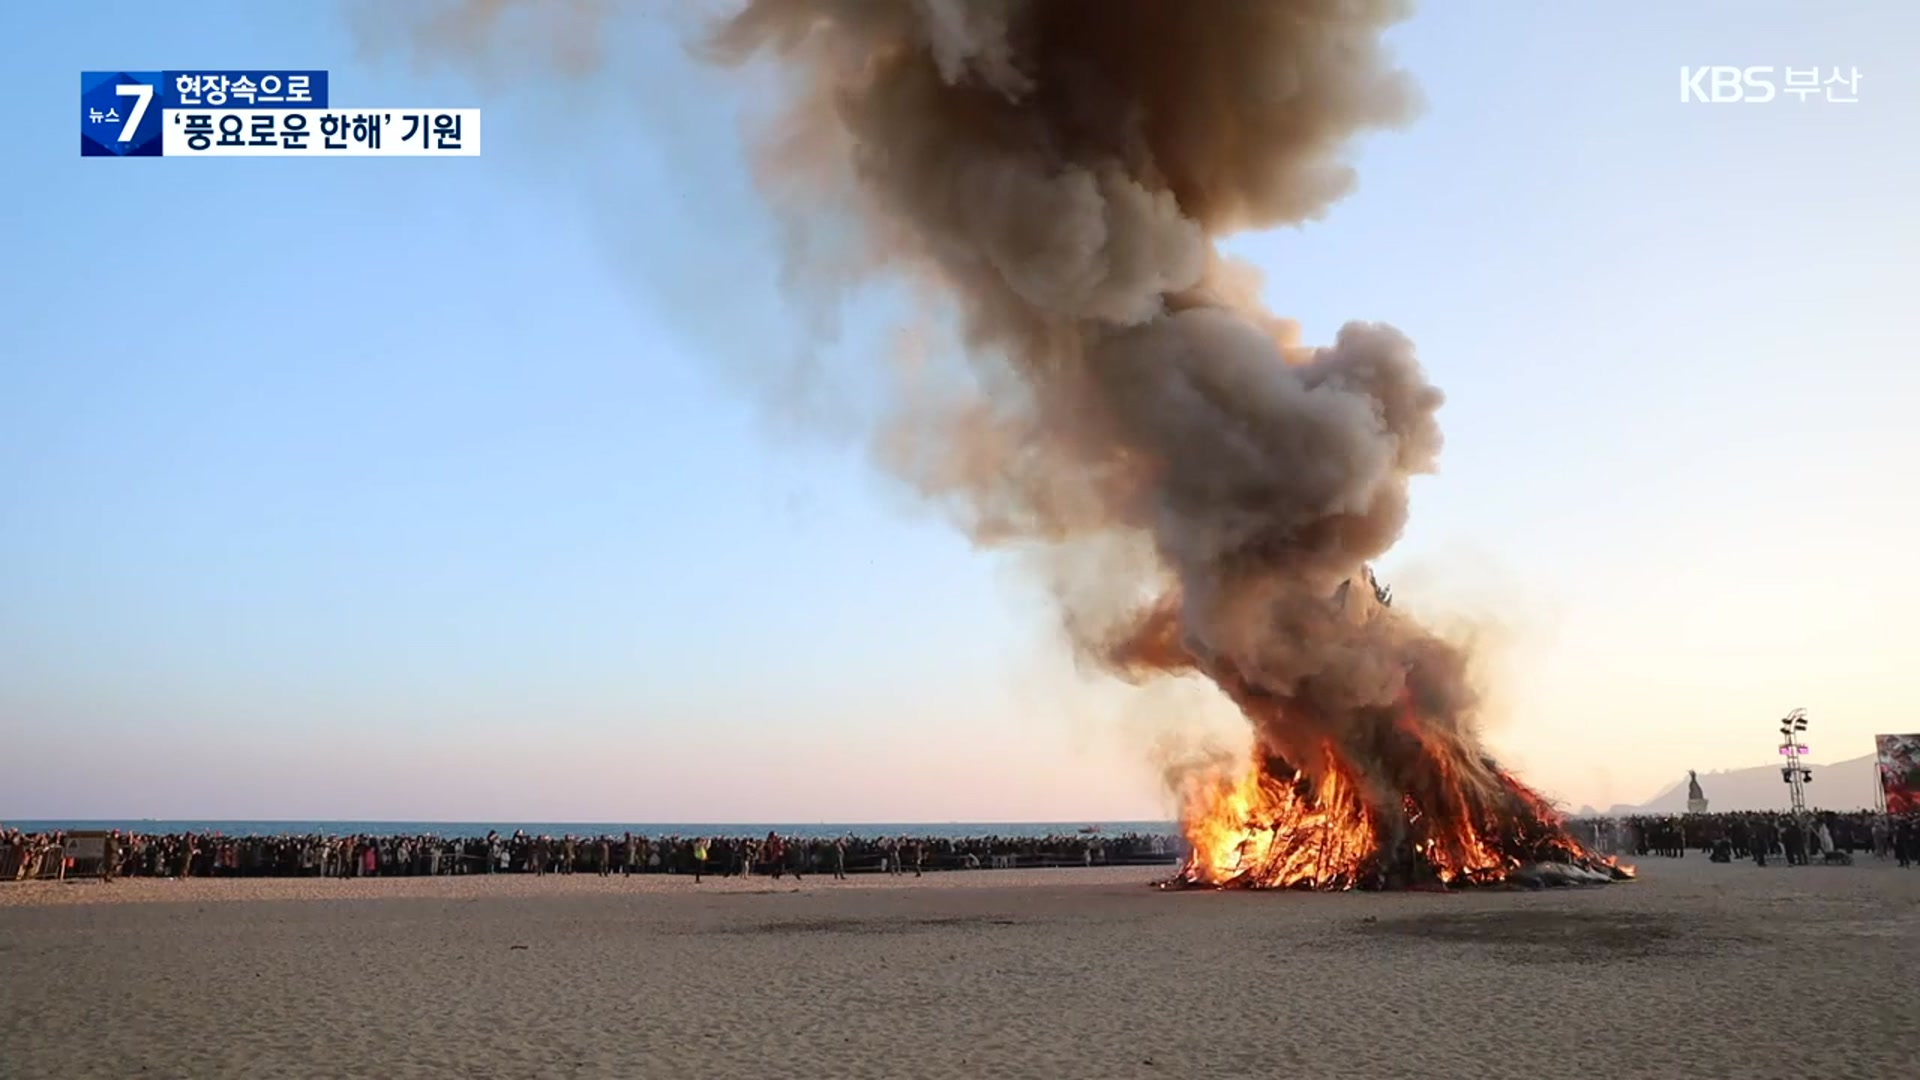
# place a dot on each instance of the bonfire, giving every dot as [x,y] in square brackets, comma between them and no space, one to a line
[1194,477]
[1391,803]
[1275,826]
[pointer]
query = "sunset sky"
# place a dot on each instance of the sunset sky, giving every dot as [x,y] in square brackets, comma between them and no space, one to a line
[480,488]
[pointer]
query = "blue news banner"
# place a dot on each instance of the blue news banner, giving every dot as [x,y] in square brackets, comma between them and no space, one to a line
[277,113]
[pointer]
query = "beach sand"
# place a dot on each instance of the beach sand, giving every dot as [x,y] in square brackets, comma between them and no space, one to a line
[1695,970]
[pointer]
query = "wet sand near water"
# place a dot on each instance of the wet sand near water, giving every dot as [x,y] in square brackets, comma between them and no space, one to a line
[1696,969]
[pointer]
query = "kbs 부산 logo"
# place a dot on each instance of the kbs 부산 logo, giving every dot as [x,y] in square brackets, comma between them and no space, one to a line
[1756,85]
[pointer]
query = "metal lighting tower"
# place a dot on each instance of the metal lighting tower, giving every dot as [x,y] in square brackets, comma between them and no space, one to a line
[1797,775]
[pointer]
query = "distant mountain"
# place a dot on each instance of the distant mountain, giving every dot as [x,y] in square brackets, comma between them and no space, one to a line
[1843,785]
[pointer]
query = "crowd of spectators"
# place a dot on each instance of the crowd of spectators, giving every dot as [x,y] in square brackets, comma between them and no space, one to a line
[133,854]
[1824,835]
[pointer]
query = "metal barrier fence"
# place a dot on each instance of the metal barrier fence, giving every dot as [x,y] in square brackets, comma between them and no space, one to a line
[32,862]
[73,855]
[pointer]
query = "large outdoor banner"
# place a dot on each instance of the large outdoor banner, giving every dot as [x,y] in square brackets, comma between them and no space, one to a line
[1899,760]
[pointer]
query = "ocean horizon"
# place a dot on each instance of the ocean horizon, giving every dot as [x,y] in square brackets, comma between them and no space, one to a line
[810,830]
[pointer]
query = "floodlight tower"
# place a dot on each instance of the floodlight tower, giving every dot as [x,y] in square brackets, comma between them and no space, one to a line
[1796,774]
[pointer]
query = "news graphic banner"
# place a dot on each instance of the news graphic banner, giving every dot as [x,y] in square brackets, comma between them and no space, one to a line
[277,113]
[1898,757]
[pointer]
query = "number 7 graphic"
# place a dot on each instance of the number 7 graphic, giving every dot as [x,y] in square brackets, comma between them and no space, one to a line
[134,90]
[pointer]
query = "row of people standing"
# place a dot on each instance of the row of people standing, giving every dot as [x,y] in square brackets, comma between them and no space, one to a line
[30,855]
[1760,835]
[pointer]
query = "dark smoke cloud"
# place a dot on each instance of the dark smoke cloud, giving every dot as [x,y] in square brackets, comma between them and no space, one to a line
[1060,171]
[1063,169]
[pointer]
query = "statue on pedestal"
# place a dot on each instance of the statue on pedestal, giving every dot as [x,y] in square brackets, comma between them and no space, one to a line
[1696,799]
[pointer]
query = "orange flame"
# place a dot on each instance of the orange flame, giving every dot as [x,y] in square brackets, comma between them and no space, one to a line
[1275,827]
[1266,830]
[1343,796]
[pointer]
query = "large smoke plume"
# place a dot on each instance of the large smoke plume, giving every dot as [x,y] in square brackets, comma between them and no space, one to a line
[1061,171]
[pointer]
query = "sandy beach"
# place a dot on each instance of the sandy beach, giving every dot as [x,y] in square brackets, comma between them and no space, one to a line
[1697,969]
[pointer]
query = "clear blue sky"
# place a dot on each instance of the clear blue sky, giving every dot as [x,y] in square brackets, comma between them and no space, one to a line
[440,488]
